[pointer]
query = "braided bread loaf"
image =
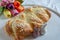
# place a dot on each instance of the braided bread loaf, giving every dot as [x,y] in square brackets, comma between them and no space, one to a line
[23,25]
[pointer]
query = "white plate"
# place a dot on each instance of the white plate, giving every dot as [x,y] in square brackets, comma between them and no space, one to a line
[52,29]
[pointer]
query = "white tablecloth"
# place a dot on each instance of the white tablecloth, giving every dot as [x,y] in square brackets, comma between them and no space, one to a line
[54,4]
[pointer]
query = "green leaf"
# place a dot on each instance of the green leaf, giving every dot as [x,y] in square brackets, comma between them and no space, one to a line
[1,8]
[21,1]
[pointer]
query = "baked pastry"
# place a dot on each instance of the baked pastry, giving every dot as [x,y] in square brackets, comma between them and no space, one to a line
[27,23]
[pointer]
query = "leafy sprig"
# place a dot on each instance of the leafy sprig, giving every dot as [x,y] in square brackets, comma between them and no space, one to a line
[21,1]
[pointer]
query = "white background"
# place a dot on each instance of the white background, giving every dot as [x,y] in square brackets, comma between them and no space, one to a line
[54,4]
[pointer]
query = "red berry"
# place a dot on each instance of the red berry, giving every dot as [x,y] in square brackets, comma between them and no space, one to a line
[20,9]
[16,4]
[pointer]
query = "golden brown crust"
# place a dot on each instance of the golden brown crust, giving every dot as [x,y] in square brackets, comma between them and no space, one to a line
[48,12]
[22,25]
[8,28]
